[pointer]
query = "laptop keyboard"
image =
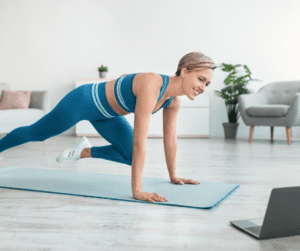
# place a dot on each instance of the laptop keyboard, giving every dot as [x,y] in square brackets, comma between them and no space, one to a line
[255,230]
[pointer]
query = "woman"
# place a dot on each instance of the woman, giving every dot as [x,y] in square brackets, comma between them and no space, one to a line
[104,105]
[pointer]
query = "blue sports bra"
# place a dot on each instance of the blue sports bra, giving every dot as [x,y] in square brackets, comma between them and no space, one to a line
[125,96]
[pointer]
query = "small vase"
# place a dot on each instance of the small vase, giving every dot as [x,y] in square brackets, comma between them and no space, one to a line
[230,130]
[102,74]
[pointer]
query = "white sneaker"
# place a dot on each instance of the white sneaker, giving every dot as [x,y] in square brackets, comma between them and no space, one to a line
[74,152]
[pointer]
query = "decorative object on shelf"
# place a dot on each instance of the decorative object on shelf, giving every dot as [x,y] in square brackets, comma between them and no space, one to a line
[236,86]
[102,70]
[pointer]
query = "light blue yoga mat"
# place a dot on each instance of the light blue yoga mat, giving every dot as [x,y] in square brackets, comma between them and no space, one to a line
[114,187]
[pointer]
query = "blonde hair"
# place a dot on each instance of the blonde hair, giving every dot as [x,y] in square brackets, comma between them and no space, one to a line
[195,60]
[192,61]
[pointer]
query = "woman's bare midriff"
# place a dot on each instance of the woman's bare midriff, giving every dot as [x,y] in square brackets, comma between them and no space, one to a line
[111,98]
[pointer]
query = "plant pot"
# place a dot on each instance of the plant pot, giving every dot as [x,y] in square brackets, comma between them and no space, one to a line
[230,130]
[102,74]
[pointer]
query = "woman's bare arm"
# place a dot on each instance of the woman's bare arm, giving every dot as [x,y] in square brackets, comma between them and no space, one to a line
[170,136]
[147,95]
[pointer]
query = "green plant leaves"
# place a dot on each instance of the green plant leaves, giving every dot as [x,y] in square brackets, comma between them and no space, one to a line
[235,87]
[102,68]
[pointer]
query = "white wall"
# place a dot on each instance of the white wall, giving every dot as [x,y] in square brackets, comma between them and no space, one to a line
[48,44]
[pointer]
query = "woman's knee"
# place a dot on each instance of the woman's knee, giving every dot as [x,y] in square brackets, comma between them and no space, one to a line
[124,149]
[129,162]
[119,133]
[129,157]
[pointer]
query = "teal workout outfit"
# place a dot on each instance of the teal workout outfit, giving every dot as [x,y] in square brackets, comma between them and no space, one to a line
[89,102]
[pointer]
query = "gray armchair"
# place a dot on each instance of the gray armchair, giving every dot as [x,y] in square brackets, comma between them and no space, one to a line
[275,104]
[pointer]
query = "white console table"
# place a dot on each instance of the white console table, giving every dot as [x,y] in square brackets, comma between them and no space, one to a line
[192,120]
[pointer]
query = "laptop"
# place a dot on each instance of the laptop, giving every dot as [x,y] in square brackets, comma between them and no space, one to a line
[282,217]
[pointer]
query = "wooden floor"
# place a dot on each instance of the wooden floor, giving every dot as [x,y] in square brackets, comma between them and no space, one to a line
[45,221]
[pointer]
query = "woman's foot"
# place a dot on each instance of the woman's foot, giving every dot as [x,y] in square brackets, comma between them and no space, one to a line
[74,152]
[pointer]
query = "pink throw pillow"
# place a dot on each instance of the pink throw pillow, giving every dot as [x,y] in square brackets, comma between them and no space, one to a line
[15,100]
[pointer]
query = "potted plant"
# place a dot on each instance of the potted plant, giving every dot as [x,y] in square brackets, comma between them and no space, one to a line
[102,71]
[235,87]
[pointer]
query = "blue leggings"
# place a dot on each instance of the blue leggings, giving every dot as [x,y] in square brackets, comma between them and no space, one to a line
[86,102]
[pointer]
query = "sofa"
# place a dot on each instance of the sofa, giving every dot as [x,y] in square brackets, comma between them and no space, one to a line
[11,119]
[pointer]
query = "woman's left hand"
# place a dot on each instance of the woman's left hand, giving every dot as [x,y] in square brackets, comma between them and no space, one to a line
[183,181]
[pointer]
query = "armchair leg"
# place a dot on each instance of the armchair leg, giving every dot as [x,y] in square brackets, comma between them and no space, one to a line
[272,133]
[251,133]
[288,133]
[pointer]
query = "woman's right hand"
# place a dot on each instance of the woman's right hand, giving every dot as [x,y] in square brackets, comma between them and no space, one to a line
[151,197]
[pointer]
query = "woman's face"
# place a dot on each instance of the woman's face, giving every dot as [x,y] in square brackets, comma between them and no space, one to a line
[196,80]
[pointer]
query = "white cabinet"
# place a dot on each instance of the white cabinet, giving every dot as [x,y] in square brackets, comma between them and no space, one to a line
[192,120]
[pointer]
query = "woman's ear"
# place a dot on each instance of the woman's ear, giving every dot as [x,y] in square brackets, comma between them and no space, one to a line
[183,72]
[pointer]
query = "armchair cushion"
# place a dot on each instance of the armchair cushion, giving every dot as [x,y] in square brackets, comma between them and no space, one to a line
[267,110]
[15,99]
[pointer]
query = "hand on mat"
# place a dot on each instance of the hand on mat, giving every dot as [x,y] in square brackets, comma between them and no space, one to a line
[151,197]
[182,181]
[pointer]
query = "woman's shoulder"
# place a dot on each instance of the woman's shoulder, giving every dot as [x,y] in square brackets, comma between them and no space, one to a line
[149,74]
[153,74]
[145,79]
